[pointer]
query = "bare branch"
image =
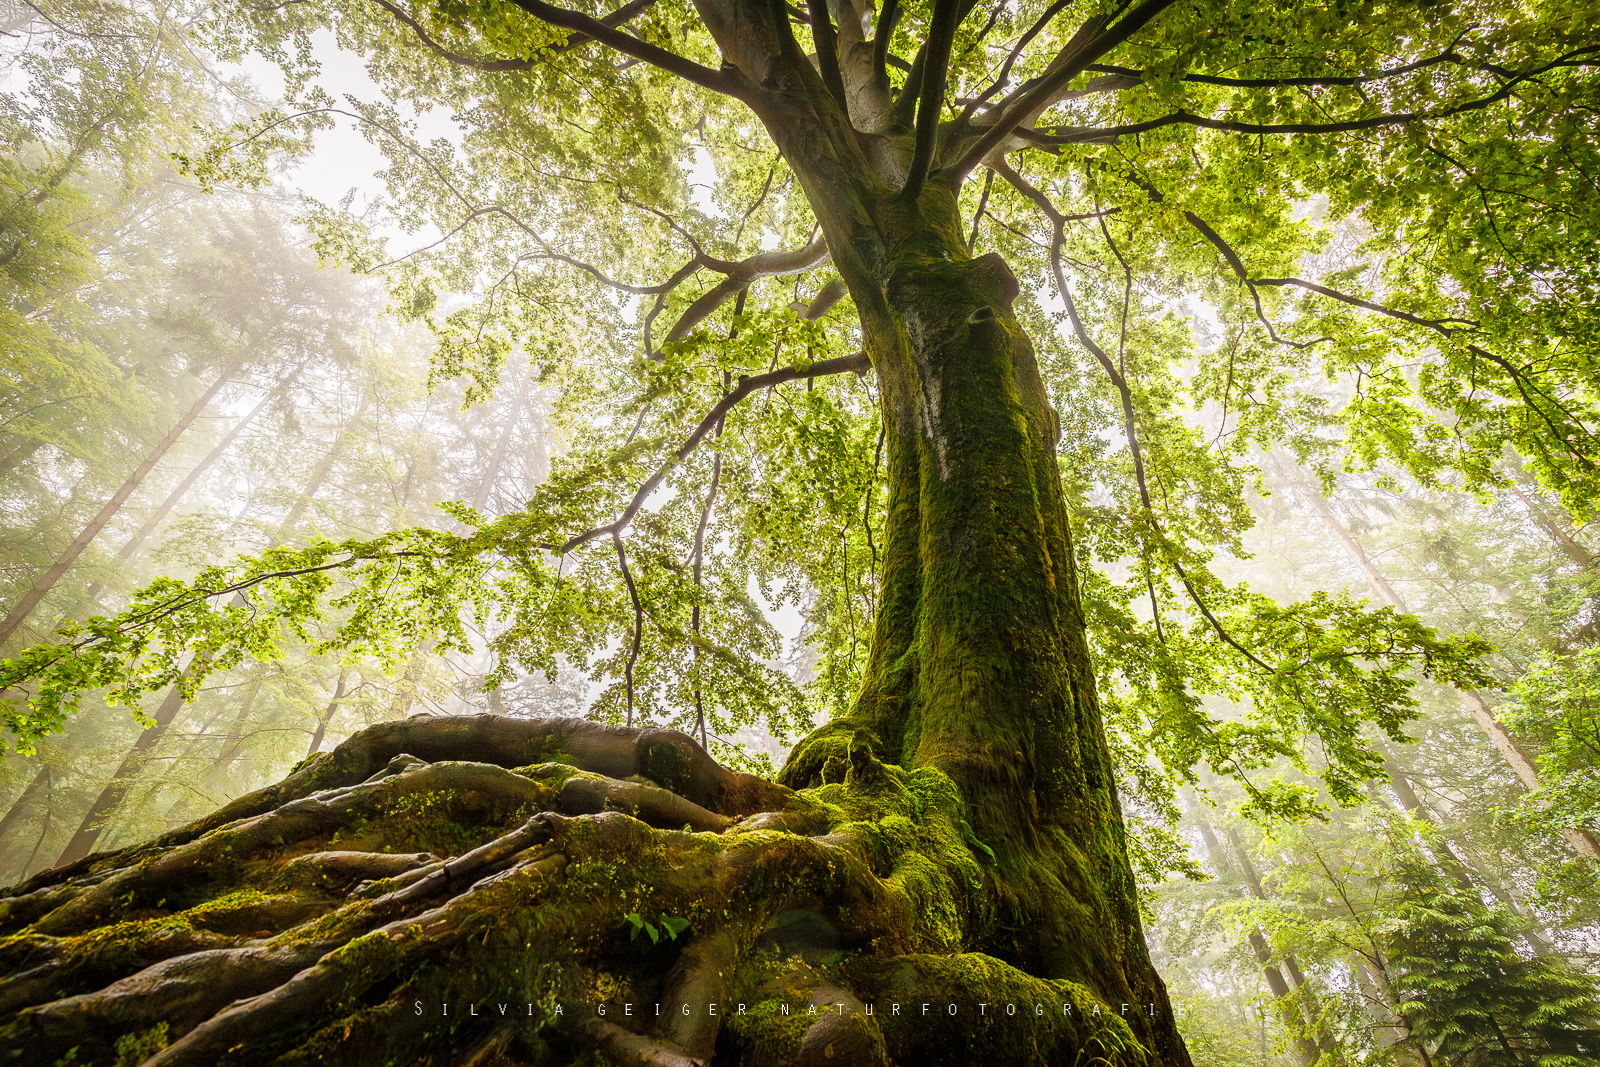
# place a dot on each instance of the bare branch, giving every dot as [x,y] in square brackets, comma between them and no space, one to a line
[1111,134]
[638,617]
[739,277]
[1093,40]
[1320,79]
[494,66]
[1016,51]
[1120,383]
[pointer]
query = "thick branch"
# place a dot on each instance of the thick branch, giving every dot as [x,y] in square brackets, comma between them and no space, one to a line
[494,66]
[827,42]
[627,44]
[880,40]
[1093,40]
[740,275]
[941,38]
[1016,52]
[1273,83]
[1110,134]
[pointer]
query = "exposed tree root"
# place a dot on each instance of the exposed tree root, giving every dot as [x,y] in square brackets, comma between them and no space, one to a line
[493,891]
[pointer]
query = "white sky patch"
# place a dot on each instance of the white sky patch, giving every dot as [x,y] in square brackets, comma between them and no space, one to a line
[702,180]
[343,161]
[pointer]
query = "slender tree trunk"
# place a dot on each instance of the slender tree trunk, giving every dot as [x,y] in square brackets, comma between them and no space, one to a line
[1324,1041]
[319,475]
[406,692]
[25,800]
[328,712]
[409,684]
[1576,551]
[1463,869]
[1582,840]
[110,797]
[45,582]
[1392,1031]
[234,739]
[1299,1013]
[497,458]
[181,490]
[223,759]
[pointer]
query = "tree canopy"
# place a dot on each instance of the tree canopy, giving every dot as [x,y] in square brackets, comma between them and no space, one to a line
[1367,217]
[732,241]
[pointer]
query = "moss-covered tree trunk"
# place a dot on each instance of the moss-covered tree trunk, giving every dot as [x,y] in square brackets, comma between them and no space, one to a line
[941,878]
[980,668]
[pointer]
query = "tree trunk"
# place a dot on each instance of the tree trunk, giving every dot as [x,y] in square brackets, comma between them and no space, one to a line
[954,842]
[235,735]
[324,467]
[25,800]
[1582,840]
[181,490]
[328,712]
[1293,1020]
[45,582]
[1463,869]
[112,795]
[1525,489]
[105,805]
[497,458]
[980,668]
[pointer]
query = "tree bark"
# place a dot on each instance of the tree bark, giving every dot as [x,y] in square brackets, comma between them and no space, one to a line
[45,582]
[980,667]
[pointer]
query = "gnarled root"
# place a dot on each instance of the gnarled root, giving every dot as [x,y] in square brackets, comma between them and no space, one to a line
[487,890]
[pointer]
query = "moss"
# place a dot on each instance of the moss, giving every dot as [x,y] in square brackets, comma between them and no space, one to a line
[765,1034]
[249,910]
[134,1049]
[120,945]
[1002,1015]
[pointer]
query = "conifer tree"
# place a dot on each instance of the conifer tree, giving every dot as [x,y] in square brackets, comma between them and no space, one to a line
[1472,999]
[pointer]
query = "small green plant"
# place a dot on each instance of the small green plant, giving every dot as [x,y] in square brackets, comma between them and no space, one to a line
[670,925]
[136,1048]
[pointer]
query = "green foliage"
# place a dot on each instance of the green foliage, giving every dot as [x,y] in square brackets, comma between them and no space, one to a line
[1557,705]
[134,1049]
[671,925]
[1472,998]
